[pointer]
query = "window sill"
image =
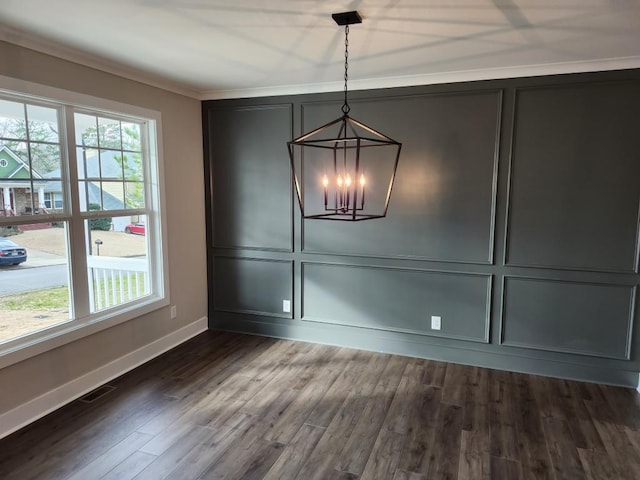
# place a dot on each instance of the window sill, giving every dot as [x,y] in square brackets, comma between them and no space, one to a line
[42,341]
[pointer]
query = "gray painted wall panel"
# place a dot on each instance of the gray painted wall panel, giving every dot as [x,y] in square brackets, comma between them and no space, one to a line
[248,285]
[443,198]
[575,186]
[396,299]
[562,193]
[591,319]
[251,177]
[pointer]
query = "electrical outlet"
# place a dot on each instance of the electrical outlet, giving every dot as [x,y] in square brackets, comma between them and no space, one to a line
[286,306]
[174,312]
[436,322]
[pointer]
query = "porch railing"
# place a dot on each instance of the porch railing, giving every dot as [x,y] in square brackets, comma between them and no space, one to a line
[116,280]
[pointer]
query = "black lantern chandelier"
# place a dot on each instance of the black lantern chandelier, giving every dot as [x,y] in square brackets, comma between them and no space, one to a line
[344,170]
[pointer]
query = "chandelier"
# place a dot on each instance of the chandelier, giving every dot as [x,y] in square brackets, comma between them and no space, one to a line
[344,170]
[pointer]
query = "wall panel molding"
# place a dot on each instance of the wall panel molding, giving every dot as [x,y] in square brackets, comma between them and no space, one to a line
[251,179]
[594,319]
[571,187]
[397,299]
[438,174]
[253,286]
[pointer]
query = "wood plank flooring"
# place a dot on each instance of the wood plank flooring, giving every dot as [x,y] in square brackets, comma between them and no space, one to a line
[243,407]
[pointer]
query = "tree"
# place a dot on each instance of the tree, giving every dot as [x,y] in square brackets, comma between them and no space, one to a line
[44,146]
[103,224]
[116,135]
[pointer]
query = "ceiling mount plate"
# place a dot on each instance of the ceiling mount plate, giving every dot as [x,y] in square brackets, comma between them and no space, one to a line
[347,18]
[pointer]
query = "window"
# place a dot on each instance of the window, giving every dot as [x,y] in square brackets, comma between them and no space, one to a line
[53,200]
[76,183]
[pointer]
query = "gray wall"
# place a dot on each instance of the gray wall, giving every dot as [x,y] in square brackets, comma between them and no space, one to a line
[514,218]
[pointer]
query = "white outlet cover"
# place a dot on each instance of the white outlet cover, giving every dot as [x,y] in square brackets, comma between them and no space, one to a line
[436,322]
[286,306]
[174,312]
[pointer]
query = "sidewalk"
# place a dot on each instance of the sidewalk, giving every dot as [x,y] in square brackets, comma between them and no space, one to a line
[38,258]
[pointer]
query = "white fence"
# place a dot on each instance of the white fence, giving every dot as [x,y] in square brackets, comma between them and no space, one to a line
[116,280]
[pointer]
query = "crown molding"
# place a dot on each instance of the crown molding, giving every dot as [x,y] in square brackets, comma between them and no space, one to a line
[42,45]
[605,64]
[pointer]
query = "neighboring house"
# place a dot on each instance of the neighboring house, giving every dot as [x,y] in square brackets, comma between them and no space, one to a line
[53,189]
[107,167]
[16,188]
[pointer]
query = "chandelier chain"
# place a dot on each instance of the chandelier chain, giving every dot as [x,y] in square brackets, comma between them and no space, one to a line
[345,107]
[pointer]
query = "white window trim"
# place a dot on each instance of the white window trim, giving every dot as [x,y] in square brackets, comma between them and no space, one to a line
[23,348]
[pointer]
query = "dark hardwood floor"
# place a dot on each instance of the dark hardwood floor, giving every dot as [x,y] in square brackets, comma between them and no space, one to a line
[243,407]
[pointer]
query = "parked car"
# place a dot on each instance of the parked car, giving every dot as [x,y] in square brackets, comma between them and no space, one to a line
[11,253]
[137,228]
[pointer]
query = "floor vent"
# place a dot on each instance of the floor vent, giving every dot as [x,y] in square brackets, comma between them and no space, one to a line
[97,393]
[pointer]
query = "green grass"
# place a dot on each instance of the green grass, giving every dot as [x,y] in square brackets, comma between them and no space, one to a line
[48,299]
[105,290]
[55,298]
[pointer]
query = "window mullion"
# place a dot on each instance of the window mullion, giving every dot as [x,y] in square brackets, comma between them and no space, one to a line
[77,237]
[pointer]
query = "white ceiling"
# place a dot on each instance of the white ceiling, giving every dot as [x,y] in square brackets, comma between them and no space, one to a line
[234,48]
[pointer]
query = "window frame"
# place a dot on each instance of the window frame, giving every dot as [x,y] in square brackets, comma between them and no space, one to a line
[68,103]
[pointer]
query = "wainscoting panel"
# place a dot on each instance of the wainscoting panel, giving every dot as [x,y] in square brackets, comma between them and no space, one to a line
[575,173]
[514,217]
[254,286]
[443,202]
[397,299]
[585,318]
[251,177]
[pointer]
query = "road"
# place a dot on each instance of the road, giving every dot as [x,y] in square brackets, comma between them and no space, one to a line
[20,279]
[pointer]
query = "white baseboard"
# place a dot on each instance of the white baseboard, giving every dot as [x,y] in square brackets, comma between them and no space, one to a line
[31,411]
